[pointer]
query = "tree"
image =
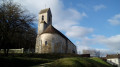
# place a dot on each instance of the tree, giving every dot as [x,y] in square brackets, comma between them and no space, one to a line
[16,29]
[92,52]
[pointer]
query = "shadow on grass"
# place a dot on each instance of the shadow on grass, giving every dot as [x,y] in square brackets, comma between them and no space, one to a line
[26,60]
[72,60]
[21,62]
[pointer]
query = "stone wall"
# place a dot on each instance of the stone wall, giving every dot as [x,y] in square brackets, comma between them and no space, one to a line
[47,19]
[50,43]
[42,26]
[71,47]
[54,43]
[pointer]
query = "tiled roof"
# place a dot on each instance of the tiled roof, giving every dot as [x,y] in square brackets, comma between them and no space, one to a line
[51,29]
[113,56]
[44,10]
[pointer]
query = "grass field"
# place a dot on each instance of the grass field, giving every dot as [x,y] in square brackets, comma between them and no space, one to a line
[52,60]
[80,62]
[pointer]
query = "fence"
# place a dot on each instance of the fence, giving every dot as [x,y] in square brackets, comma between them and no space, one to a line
[13,50]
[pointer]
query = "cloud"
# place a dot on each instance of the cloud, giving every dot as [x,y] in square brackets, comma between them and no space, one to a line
[103,52]
[35,6]
[64,19]
[68,18]
[112,42]
[78,32]
[81,47]
[115,20]
[99,7]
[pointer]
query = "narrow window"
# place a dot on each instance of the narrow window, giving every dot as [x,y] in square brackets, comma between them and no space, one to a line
[45,43]
[73,51]
[42,17]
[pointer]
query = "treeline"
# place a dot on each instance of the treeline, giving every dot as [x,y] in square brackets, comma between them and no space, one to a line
[16,27]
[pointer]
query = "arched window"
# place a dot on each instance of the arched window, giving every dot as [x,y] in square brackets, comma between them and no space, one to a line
[42,17]
[45,43]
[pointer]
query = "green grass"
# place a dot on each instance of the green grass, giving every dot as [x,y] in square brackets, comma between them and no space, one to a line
[51,60]
[80,62]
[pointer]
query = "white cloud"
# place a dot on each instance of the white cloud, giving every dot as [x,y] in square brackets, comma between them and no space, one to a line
[103,52]
[64,19]
[112,42]
[85,45]
[115,20]
[35,6]
[81,47]
[99,7]
[78,32]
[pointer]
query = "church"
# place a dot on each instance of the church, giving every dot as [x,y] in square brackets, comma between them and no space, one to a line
[49,39]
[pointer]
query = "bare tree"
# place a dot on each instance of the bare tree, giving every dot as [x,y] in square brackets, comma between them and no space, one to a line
[92,52]
[15,26]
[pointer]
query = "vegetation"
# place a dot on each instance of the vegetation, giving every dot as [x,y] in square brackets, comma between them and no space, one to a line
[21,61]
[80,62]
[16,27]
[17,31]
[51,60]
[45,56]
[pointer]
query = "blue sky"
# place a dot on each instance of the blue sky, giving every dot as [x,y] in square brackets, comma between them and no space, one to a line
[89,24]
[97,19]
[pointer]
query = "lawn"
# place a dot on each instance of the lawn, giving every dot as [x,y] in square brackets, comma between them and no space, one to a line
[80,62]
[50,60]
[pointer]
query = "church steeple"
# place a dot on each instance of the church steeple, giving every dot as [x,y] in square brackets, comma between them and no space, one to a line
[45,19]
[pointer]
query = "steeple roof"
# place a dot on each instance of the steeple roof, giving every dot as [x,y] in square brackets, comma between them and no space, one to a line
[44,10]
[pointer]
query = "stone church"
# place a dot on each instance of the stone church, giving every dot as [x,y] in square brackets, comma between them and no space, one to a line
[49,39]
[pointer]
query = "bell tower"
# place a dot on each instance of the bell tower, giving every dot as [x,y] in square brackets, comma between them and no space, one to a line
[45,19]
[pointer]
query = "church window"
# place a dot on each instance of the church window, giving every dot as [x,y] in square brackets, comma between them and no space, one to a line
[42,17]
[73,51]
[45,43]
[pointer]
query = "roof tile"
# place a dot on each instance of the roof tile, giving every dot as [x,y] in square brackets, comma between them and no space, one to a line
[44,10]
